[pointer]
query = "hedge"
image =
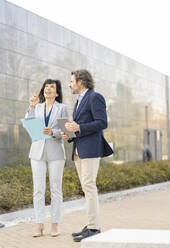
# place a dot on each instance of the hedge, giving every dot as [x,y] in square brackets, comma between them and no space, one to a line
[16,182]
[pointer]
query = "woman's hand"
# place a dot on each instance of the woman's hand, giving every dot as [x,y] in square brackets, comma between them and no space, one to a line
[48,131]
[64,136]
[34,100]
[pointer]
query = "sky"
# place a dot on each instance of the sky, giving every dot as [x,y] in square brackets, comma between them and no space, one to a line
[139,29]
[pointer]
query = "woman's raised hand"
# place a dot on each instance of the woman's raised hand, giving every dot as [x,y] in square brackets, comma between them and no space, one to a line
[34,100]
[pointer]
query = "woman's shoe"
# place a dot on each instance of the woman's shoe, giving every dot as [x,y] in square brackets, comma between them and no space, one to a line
[54,234]
[54,230]
[39,234]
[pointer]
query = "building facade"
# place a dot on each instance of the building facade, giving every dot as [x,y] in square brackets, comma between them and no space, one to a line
[33,49]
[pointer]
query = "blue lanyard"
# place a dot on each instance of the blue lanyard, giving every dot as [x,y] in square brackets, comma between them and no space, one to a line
[46,118]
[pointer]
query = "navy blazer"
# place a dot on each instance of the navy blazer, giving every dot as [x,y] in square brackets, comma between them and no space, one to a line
[92,118]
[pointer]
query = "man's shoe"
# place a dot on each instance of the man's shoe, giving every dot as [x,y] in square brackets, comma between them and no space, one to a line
[79,233]
[1,225]
[87,233]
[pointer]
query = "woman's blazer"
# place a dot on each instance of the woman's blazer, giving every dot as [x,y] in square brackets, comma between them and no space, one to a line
[54,147]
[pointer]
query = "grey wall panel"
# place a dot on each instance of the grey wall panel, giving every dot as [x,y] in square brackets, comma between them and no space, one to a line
[37,26]
[3,135]
[2,8]
[70,40]
[55,33]
[17,40]
[33,69]
[3,61]
[2,85]
[21,109]
[33,49]
[3,36]
[8,111]
[15,63]
[16,16]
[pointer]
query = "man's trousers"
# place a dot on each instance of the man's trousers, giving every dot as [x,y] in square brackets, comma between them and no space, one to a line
[87,171]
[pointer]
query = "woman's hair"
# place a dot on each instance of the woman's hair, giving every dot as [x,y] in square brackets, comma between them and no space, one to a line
[58,98]
[85,76]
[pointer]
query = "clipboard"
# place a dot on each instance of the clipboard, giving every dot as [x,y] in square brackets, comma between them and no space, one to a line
[61,123]
[34,127]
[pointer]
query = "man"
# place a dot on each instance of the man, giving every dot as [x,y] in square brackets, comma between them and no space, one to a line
[89,146]
[147,155]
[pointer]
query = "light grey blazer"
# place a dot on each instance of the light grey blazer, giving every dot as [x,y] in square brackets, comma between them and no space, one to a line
[53,147]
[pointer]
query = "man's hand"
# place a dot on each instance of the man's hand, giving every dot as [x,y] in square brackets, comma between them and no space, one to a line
[64,136]
[47,131]
[72,126]
[34,100]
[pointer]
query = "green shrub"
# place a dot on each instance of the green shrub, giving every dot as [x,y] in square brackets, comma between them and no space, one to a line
[16,182]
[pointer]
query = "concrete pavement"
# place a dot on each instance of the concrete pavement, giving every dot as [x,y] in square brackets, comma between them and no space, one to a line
[147,210]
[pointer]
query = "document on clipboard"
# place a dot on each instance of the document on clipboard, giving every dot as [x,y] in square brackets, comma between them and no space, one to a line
[34,126]
[61,123]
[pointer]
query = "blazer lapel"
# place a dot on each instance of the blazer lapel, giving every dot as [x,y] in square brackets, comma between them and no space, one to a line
[75,110]
[81,104]
[41,113]
[53,113]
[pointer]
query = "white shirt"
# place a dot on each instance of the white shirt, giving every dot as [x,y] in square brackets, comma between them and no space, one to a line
[80,98]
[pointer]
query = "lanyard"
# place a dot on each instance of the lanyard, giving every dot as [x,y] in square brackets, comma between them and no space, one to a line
[46,118]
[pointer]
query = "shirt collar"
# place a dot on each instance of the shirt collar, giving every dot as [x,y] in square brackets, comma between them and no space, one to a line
[82,94]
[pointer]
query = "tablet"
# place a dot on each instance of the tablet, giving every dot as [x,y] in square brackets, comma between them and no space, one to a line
[61,123]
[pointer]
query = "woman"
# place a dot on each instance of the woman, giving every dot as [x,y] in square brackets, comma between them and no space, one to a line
[48,152]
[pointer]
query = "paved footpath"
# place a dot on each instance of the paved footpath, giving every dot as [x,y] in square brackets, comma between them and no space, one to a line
[148,210]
